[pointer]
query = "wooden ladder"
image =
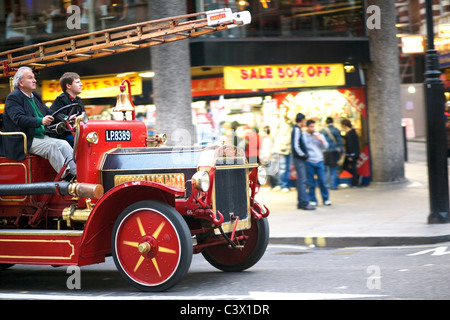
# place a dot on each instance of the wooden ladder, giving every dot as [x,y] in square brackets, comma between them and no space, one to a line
[120,39]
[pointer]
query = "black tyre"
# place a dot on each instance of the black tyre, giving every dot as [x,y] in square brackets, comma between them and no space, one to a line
[225,258]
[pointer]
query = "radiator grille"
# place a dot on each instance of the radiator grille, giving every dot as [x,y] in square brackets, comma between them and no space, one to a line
[231,193]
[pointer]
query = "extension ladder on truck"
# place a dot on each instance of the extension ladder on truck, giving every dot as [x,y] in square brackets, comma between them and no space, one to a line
[116,40]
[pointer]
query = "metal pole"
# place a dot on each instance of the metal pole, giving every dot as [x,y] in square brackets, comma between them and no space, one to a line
[436,131]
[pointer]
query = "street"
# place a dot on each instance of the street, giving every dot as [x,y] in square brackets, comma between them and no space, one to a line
[286,272]
[93,189]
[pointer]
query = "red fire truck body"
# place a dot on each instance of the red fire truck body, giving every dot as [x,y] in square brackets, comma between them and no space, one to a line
[148,206]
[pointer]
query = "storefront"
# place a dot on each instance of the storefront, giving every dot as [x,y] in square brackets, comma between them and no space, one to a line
[249,98]
[443,50]
[243,98]
[339,104]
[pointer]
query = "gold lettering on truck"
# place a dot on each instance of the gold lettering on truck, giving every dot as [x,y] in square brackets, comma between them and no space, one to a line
[171,179]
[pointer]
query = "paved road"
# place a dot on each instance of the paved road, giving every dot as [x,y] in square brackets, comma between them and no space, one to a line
[286,272]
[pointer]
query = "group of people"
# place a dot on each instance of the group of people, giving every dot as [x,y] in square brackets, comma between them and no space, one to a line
[314,154]
[25,112]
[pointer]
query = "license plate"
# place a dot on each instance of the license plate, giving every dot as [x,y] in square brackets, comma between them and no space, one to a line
[118,135]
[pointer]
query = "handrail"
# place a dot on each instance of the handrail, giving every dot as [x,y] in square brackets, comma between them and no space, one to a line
[25,149]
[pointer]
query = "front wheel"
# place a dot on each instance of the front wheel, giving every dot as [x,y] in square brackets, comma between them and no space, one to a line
[225,258]
[151,245]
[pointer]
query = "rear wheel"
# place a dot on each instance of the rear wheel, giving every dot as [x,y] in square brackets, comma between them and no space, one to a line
[151,245]
[225,258]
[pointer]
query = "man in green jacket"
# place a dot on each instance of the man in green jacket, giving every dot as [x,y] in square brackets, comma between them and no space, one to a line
[25,112]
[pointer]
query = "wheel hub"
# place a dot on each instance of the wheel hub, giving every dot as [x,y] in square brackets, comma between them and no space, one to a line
[148,247]
[144,247]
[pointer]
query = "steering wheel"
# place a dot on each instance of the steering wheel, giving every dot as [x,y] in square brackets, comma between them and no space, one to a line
[65,124]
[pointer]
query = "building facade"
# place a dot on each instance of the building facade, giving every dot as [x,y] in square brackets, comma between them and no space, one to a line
[306,55]
[412,25]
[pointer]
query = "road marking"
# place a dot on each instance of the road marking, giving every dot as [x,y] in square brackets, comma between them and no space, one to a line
[255,295]
[439,251]
[287,246]
[308,296]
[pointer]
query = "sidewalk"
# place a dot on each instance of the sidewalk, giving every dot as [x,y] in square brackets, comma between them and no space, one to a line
[376,215]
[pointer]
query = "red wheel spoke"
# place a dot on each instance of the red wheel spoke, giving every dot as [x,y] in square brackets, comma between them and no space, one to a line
[141,228]
[158,231]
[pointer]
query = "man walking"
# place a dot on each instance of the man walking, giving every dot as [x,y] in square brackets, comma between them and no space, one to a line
[333,153]
[351,151]
[300,155]
[282,149]
[315,144]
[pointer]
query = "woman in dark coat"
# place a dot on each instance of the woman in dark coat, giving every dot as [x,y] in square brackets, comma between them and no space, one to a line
[351,145]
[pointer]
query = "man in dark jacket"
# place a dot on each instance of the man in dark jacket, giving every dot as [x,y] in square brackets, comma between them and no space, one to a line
[351,144]
[300,155]
[26,113]
[71,86]
[333,153]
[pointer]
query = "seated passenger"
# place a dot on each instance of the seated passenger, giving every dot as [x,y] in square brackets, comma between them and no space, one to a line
[71,86]
[25,112]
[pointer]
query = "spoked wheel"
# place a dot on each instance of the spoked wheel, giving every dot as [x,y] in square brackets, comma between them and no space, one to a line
[225,258]
[151,245]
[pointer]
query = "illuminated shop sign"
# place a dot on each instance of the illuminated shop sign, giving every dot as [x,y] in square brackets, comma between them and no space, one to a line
[284,76]
[94,87]
[412,44]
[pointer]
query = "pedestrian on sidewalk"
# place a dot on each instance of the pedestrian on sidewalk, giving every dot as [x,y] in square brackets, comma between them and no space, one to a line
[252,144]
[333,153]
[268,159]
[281,137]
[315,143]
[300,155]
[351,144]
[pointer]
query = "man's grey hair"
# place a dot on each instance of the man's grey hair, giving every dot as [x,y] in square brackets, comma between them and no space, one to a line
[19,75]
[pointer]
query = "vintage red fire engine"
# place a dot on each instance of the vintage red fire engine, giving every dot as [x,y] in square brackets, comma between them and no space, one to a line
[149,206]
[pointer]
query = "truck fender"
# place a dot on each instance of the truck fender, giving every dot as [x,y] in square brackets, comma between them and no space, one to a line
[96,238]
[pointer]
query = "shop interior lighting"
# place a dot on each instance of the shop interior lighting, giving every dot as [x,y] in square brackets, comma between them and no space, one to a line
[123,75]
[265,3]
[349,68]
[149,74]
